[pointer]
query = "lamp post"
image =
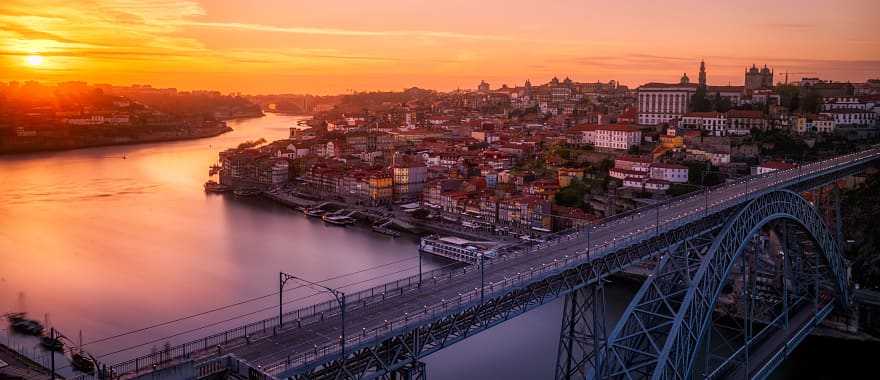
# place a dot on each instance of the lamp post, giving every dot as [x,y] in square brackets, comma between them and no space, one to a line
[340,299]
[482,277]
[52,352]
[657,225]
[589,227]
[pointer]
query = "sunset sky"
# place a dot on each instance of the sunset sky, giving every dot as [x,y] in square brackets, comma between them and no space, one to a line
[331,46]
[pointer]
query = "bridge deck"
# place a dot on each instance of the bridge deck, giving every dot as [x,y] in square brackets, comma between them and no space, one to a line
[765,356]
[272,352]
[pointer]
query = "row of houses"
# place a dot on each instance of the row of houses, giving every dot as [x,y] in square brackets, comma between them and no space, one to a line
[471,203]
[643,173]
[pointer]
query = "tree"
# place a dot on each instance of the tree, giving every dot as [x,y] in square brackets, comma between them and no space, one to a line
[810,103]
[634,150]
[573,194]
[677,189]
[699,102]
[861,209]
[720,103]
[795,103]
[703,173]
[788,95]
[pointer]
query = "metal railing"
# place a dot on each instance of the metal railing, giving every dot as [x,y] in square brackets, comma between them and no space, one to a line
[500,288]
[377,294]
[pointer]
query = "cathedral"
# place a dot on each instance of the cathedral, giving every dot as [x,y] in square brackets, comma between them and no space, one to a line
[758,79]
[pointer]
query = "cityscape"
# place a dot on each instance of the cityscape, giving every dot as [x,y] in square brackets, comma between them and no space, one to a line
[193,191]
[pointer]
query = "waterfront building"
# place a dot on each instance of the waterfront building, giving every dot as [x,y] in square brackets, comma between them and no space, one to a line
[524,213]
[409,175]
[381,186]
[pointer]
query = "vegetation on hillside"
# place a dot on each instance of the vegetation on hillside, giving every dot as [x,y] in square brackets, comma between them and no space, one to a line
[861,210]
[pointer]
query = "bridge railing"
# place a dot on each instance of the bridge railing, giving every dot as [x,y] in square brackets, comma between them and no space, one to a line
[377,294]
[407,322]
[470,298]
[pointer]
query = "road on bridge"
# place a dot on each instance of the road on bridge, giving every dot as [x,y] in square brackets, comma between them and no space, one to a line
[273,352]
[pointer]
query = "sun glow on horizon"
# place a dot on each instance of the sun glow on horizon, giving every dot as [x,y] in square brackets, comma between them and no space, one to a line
[34,60]
[333,47]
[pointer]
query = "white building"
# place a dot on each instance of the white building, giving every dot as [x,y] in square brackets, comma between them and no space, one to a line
[641,173]
[617,136]
[847,103]
[714,123]
[741,122]
[661,102]
[813,123]
[669,172]
[855,117]
[656,185]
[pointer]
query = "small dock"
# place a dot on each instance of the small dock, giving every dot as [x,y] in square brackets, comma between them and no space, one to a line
[289,200]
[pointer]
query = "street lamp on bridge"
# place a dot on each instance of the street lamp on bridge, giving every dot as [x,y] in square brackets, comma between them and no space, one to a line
[339,295]
[482,277]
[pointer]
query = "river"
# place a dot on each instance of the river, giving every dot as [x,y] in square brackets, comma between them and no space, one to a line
[106,240]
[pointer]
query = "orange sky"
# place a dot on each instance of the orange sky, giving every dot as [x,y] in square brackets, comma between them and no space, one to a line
[332,46]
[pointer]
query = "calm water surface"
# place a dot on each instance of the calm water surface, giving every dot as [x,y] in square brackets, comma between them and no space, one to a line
[98,244]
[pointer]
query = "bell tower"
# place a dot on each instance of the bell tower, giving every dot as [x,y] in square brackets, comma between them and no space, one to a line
[702,74]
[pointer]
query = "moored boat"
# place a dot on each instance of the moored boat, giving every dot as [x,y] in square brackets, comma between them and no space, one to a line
[214,187]
[52,344]
[82,364]
[386,231]
[246,192]
[338,220]
[314,212]
[22,325]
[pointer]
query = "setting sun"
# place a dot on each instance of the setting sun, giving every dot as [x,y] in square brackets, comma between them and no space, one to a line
[34,60]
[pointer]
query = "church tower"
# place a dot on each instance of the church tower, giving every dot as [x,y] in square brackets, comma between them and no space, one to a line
[702,74]
[685,79]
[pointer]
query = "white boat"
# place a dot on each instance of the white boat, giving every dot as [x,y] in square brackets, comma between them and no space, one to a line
[338,220]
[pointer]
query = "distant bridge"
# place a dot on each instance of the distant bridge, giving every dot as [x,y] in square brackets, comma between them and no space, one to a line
[753,246]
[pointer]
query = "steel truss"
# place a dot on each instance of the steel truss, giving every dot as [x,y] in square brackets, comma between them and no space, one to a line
[583,332]
[392,353]
[661,332]
[386,355]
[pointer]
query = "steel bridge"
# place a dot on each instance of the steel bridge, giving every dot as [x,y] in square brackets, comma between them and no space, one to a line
[754,247]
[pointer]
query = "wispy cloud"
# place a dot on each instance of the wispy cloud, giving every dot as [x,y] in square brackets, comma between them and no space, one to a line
[788,26]
[341,32]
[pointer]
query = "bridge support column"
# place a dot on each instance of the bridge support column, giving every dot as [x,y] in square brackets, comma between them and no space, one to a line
[583,333]
[413,371]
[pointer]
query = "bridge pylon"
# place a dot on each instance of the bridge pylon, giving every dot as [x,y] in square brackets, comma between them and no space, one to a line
[583,332]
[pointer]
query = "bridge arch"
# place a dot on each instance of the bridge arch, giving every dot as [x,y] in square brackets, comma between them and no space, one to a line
[661,332]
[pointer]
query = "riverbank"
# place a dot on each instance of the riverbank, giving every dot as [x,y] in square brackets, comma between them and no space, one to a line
[36,145]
